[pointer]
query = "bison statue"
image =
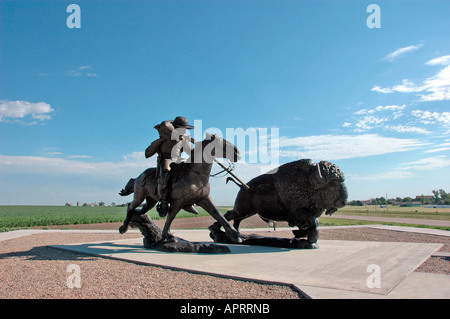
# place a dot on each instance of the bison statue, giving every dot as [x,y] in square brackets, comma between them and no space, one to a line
[297,192]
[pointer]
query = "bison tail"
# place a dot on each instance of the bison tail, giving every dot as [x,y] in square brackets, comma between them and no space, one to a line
[129,188]
[234,181]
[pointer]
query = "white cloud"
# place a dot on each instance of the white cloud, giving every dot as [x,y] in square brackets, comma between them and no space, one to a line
[381,176]
[394,118]
[406,87]
[336,147]
[402,51]
[437,162]
[78,156]
[132,165]
[364,111]
[81,71]
[427,117]
[390,107]
[381,108]
[369,122]
[438,85]
[435,88]
[381,90]
[443,60]
[440,148]
[23,109]
[407,129]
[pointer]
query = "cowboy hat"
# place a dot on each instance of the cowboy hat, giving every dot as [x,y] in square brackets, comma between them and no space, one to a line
[181,121]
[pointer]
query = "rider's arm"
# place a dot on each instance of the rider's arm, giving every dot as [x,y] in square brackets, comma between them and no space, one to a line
[153,148]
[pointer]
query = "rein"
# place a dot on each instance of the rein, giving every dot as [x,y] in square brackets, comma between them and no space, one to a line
[228,169]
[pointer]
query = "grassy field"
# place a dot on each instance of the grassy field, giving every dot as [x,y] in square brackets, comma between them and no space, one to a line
[16,217]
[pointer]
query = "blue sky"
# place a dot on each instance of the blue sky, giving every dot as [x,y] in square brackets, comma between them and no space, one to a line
[78,106]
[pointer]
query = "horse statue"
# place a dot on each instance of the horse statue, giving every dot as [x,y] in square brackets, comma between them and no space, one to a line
[189,185]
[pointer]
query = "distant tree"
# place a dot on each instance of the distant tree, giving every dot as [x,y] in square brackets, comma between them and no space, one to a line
[67,204]
[436,196]
[445,197]
[101,204]
[407,199]
[85,204]
[355,203]
[113,204]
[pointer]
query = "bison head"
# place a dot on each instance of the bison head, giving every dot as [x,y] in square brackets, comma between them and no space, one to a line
[328,179]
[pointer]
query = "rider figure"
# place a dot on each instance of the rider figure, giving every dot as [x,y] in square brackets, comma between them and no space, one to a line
[171,143]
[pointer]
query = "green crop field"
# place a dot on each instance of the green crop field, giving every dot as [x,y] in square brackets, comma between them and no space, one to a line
[14,217]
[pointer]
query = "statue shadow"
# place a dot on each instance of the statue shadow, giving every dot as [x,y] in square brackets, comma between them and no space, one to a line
[91,251]
[111,249]
[46,253]
[262,241]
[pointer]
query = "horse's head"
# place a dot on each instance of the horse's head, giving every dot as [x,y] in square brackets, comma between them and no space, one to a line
[214,146]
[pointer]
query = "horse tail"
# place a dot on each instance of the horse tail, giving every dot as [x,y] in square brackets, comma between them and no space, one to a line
[234,181]
[129,188]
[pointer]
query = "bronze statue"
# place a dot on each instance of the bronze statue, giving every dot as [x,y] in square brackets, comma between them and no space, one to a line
[171,143]
[297,192]
[189,183]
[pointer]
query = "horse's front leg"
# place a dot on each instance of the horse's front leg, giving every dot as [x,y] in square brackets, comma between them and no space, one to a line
[166,235]
[233,235]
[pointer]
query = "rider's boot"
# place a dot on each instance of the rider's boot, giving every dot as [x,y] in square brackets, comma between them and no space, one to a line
[163,180]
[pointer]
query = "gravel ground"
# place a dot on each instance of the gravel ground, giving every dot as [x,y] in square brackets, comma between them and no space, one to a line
[30,269]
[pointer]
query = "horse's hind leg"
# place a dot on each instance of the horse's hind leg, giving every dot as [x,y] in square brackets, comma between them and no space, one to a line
[166,235]
[124,228]
[131,208]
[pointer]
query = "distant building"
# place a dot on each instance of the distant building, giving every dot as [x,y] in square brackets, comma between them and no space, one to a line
[424,197]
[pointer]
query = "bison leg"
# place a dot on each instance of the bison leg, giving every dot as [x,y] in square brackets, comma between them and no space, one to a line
[300,233]
[313,231]
[229,215]
[216,234]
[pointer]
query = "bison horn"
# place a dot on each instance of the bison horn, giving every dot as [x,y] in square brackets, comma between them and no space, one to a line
[316,176]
